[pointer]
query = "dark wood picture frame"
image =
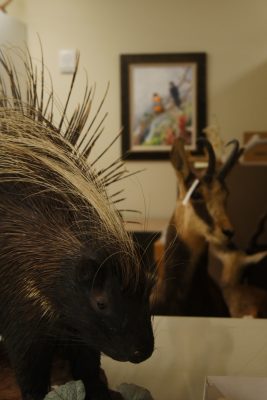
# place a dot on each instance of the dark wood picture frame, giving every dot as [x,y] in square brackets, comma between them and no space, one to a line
[182,103]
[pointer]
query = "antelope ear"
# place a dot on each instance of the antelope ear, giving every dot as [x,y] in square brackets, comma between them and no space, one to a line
[180,163]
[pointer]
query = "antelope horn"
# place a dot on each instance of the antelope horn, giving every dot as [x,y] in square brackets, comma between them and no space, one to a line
[210,171]
[231,160]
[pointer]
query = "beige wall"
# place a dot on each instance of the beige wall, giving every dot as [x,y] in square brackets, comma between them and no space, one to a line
[233,33]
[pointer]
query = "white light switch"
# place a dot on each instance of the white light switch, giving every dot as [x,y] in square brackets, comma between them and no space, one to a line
[67,61]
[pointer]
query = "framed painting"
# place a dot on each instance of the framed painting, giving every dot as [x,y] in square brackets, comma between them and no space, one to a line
[163,96]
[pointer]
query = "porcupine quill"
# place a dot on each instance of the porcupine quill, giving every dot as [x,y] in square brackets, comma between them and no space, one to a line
[71,134]
[72,129]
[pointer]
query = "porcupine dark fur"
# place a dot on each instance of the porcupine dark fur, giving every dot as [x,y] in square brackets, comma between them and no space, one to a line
[69,272]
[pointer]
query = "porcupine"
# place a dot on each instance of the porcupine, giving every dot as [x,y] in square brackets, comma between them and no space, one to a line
[69,272]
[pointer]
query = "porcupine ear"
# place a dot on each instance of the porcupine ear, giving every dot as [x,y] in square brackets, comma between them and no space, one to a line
[90,270]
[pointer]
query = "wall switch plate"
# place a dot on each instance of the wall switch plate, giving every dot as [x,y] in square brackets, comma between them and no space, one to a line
[67,60]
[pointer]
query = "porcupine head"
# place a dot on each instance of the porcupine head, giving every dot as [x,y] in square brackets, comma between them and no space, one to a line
[68,266]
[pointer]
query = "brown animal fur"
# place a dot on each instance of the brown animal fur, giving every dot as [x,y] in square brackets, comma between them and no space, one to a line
[242,299]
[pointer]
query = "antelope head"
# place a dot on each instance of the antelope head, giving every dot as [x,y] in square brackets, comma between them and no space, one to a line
[201,201]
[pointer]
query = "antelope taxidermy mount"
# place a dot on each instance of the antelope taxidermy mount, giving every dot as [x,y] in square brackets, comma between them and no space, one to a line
[199,218]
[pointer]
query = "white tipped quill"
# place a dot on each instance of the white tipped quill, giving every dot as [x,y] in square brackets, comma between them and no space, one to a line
[190,192]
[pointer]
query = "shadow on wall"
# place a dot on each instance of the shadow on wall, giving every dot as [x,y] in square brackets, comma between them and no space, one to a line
[247,201]
[242,103]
